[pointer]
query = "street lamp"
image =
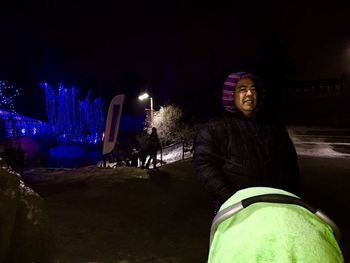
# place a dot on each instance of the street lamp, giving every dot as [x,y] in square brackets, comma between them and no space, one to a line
[144,97]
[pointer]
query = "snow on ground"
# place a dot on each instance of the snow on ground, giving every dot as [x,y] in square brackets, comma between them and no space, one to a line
[308,141]
[321,141]
[319,150]
[116,214]
[174,153]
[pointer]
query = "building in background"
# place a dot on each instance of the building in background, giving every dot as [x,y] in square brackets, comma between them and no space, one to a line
[322,102]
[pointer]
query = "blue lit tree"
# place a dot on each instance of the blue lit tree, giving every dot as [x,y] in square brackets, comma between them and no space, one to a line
[7,94]
[12,124]
[71,119]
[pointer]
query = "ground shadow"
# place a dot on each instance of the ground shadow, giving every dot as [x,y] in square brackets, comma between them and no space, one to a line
[159,177]
[46,190]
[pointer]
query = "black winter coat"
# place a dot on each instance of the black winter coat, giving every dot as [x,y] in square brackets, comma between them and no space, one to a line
[153,143]
[234,152]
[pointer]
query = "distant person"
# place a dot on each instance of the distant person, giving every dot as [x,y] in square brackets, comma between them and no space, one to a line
[115,153]
[134,157]
[15,158]
[244,147]
[193,147]
[20,159]
[142,150]
[193,144]
[2,150]
[142,156]
[153,145]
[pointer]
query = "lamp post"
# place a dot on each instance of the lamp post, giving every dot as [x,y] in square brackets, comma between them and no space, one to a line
[146,96]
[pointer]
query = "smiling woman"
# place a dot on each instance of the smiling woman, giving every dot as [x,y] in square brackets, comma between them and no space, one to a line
[246,97]
[243,147]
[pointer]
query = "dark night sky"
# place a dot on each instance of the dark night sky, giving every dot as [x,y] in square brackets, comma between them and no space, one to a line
[182,50]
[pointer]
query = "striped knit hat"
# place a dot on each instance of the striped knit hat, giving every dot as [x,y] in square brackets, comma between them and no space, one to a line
[230,87]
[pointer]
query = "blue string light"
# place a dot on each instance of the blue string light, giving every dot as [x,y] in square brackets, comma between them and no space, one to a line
[7,94]
[69,119]
[18,125]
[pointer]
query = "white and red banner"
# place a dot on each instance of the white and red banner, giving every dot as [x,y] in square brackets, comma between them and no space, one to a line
[112,123]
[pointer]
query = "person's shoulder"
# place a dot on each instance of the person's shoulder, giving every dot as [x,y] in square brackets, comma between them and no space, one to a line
[219,121]
[214,126]
[216,120]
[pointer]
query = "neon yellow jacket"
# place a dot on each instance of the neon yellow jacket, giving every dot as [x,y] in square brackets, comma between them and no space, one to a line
[272,232]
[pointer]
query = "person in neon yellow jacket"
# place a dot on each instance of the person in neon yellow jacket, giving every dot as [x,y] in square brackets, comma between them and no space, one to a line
[265,231]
